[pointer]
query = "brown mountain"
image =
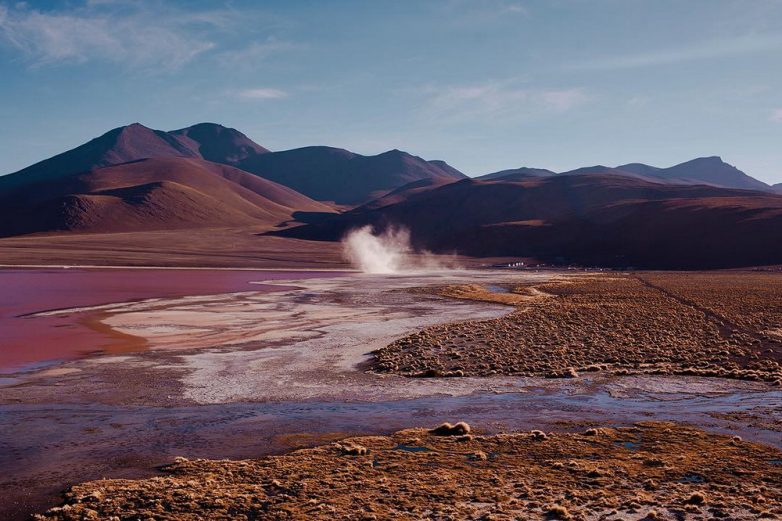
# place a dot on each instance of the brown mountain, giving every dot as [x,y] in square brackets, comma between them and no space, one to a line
[334,174]
[608,220]
[133,142]
[151,194]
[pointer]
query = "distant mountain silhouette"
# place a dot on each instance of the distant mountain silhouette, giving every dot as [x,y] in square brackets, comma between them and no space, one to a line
[333,174]
[517,174]
[709,170]
[151,194]
[639,168]
[608,220]
[705,170]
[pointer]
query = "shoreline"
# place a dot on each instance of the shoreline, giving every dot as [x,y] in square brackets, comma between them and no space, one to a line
[189,268]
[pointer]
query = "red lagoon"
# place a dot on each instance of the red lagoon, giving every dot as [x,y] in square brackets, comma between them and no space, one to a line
[29,340]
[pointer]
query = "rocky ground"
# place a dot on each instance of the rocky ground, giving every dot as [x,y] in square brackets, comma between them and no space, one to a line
[647,471]
[717,324]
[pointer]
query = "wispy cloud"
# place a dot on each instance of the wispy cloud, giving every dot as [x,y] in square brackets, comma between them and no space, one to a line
[261,94]
[254,52]
[703,50]
[134,34]
[563,100]
[515,8]
[496,99]
[776,116]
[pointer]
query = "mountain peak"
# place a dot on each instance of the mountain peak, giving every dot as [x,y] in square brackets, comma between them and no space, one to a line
[707,160]
[217,143]
[714,171]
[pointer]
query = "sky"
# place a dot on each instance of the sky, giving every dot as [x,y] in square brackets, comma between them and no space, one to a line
[485,85]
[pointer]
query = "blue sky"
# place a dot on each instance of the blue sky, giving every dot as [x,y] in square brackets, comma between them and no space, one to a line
[483,84]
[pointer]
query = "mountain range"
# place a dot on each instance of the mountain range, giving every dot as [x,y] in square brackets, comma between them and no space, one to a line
[702,213]
[704,170]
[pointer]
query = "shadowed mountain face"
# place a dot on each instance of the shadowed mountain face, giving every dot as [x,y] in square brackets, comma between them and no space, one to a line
[151,194]
[218,144]
[334,174]
[588,219]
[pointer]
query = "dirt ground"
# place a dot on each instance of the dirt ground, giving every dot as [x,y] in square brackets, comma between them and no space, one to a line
[218,247]
[725,324]
[647,471]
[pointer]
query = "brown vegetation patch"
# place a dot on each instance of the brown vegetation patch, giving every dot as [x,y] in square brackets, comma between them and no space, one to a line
[513,295]
[651,470]
[715,324]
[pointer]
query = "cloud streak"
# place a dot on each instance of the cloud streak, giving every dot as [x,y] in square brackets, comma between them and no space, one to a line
[131,34]
[495,99]
[261,93]
[776,116]
[704,50]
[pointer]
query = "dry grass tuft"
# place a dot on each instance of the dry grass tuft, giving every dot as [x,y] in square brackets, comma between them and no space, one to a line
[567,477]
[446,429]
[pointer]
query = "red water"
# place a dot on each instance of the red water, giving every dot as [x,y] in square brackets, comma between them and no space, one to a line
[27,341]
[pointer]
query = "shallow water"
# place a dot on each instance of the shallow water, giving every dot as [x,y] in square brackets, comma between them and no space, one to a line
[45,447]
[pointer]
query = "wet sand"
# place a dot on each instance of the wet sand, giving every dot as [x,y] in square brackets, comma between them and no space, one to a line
[246,374]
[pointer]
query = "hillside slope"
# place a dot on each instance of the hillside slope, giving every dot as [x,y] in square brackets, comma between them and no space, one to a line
[151,194]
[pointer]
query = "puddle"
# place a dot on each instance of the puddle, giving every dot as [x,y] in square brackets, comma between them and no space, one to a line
[496,289]
[692,478]
[629,445]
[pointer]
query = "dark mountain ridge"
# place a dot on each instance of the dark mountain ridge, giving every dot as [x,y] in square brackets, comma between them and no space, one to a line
[595,219]
[338,175]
